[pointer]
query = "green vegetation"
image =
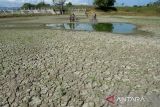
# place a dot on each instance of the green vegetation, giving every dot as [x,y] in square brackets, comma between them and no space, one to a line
[157,3]
[69,4]
[28,6]
[106,7]
[144,11]
[60,5]
[42,4]
[103,4]
[103,27]
[32,6]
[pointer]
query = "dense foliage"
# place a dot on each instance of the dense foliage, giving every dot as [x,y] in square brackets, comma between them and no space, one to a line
[28,6]
[42,4]
[104,3]
[69,4]
[32,6]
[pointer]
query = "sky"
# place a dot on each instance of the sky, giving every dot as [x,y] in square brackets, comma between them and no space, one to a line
[18,3]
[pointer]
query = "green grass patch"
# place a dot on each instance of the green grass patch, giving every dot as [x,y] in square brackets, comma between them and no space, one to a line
[140,11]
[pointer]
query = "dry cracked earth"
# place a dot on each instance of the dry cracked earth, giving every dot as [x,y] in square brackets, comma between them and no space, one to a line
[51,68]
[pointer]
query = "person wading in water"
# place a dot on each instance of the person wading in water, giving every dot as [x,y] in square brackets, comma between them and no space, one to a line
[72,17]
[94,18]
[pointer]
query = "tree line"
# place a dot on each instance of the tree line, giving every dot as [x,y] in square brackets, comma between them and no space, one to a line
[33,6]
[40,5]
[60,3]
[156,3]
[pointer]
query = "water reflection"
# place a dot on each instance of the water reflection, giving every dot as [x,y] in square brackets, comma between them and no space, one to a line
[107,27]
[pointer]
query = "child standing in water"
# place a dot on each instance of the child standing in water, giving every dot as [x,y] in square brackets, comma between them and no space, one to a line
[72,17]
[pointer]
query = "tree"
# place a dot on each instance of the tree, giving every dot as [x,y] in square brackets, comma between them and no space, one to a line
[157,3]
[28,6]
[148,5]
[60,4]
[135,6]
[104,3]
[122,4]
[42,4]
[69,4]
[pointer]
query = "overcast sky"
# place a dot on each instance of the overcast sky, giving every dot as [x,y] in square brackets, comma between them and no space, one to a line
[15,3]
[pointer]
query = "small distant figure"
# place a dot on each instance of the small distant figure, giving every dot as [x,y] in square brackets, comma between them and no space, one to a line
[72,17]
[94,19]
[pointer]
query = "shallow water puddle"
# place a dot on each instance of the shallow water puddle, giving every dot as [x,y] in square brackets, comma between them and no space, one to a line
[124,28]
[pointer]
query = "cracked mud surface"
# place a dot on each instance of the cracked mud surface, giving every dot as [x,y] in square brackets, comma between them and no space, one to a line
[52,68]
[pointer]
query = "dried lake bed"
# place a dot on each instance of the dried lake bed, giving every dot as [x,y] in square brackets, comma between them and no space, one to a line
[58,68]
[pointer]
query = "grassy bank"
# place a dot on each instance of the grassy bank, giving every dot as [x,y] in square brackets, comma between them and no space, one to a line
[138,11]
